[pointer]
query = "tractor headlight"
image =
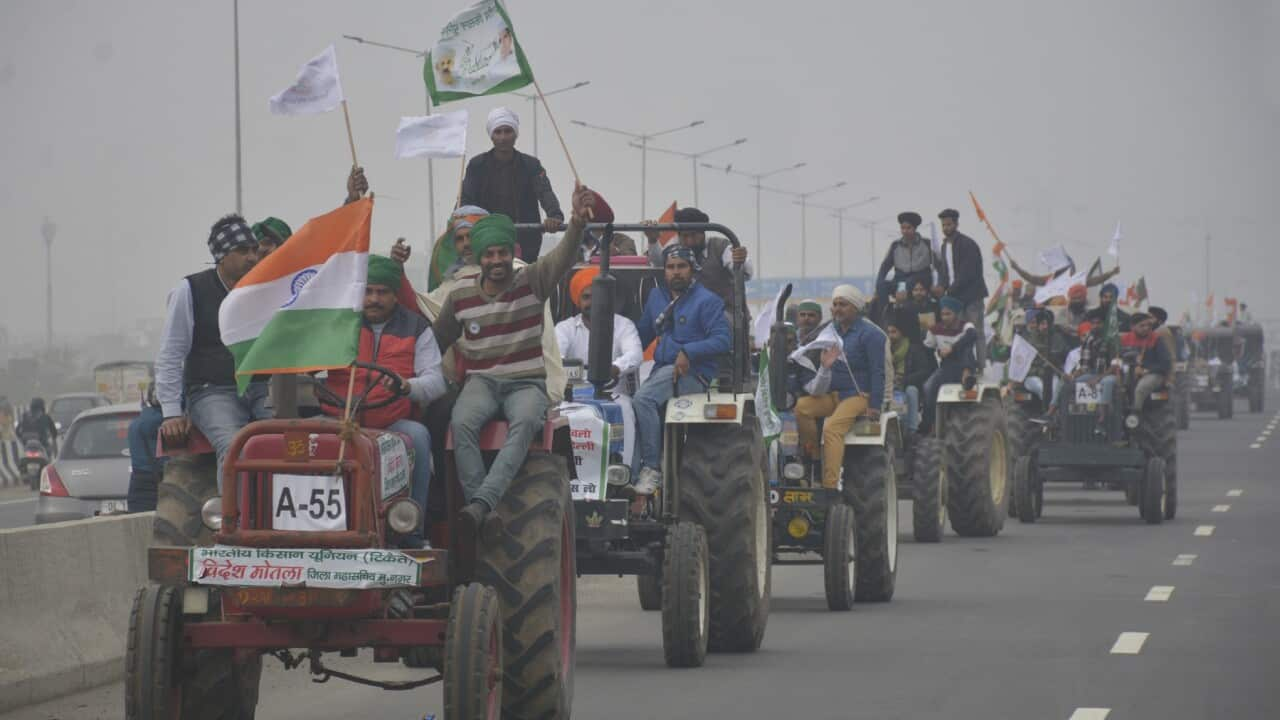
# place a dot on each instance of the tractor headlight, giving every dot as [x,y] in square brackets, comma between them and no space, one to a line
[404,516]
[798,527]
[793,471]
[211,513]
[618,475]
[1131,422]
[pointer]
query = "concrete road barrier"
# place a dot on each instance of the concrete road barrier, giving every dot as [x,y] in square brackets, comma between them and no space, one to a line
[65,595]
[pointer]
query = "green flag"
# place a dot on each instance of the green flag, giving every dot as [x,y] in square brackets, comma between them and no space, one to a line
[477,54]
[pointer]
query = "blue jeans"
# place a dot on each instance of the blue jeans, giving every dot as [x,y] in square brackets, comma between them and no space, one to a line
[144,466]
[523,403]
[911,397]
[421,477]
[219,413]
[649,402]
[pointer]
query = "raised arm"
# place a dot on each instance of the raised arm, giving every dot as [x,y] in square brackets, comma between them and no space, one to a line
[546,271]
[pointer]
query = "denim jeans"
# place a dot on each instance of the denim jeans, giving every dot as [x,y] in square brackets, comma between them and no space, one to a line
[420,439]
[1035,384]
[523,403]
[1147,384]
[648,403]
[144,466]
[219,413]
[910,396]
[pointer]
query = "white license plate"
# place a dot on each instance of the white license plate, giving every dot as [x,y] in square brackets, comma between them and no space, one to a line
[109,507]
[308,502]
[1087,394]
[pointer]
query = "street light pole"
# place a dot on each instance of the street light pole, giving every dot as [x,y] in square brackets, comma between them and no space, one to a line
[694,157]
[644,139]
[48,229]
[755,178]
[838,214]
[235,19]
[804,199]
[533,101]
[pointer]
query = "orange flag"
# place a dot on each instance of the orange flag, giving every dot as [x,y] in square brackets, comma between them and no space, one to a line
[977,208]
[668,216]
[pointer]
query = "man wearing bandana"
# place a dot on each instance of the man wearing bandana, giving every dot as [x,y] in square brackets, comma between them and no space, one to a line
[688,320]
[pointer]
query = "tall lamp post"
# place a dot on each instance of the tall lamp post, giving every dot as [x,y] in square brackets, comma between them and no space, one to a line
[755,183]
[870,225]
[644,139]
[694,157]
[534,100]
[804,212]
[48,229]
[235,32]
[838,213]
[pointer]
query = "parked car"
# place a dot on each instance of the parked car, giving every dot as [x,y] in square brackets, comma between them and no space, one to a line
[90,477]
[65,407]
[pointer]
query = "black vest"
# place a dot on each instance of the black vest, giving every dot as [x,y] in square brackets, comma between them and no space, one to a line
[208,361]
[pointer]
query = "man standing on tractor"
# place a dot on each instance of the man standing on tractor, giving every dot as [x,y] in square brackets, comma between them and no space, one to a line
[850,382]
[1153,363]
[689,322]
[505,181]
[401,341]
[1106,300]
[808,320]
[715,256]
[496,318]
[954,339]
[192,362]
[910,258]
[960,275]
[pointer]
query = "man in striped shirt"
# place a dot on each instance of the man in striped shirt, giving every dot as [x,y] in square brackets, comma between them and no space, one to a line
[496,321]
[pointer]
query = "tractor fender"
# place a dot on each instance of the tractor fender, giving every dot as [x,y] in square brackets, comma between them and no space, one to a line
[692,409]
[955,393]
[886,432]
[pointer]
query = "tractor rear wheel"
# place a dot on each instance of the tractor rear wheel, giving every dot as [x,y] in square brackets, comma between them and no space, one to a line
[871,488]
[1153,496]
[723,489]
[188,482]
[1025,493]
[649,588]
[686,596]
[473,654]
[975,460]
[839,550]
[928,493]
[531,566]
[1159,438]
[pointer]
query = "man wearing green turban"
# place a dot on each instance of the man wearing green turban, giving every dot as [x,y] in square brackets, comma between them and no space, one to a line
[271,234]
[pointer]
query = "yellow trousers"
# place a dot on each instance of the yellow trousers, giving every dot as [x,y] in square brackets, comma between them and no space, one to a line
[839,415]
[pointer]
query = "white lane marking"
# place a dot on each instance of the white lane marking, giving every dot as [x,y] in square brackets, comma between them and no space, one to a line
[1090,714]
[1260,439]
[1184,560]
[1129,643]
[1221,508]
[1255,446]
[1234,493]
[19,501]
[1159,593]
[1204,531]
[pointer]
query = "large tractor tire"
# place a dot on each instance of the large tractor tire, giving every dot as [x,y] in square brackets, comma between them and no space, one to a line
[1159,438]
[1226,401]
[1019,434]
[188,482]
[649,589]
[722,488]
[839,551]
[871,488]
[1026,492]
[928,493]
[686,596]
[1153,491]
[1182,401]
[532,566]
[472,686]
[975,466]
[160,684]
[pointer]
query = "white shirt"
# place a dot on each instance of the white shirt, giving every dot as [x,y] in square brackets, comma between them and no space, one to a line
[175,343]
[573,337]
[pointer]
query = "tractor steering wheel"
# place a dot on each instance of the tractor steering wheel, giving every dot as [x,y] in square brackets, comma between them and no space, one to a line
[377,373]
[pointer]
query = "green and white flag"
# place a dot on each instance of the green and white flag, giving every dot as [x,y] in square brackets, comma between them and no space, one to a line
[299,310]
[477,54]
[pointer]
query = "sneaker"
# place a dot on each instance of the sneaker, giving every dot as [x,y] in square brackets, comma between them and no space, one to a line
[648,482]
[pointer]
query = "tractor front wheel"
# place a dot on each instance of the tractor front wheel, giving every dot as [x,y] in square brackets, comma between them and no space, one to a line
[649,588]
[839,551]
[1153,497]
[871,488]
[975,458]
[686,596]
[928,493]
[473,655]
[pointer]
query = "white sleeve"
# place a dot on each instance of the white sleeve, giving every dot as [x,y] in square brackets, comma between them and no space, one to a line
[175,343]
[931,340]
[726,259]
[627,340]
[427,382]
[564,336]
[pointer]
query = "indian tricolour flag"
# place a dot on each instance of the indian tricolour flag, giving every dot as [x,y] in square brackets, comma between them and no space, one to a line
[299,310]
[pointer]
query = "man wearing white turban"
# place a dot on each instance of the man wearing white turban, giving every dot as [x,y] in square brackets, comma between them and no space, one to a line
[505,181]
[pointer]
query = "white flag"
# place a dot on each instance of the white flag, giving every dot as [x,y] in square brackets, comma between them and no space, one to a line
[1073,360]
[316,90]
[1114,250]
[1059,286]
[1021,355]
[434,136]
[764,321]
[827,338]
[1055,258]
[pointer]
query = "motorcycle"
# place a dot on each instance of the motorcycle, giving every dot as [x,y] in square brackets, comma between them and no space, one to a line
[34,458]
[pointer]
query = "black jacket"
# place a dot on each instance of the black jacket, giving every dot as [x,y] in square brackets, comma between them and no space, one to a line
[968,285]
[921,362]
[532,189]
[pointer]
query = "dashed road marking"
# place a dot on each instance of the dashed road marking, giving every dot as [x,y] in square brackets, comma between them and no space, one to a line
[1184,560]
[1234,493]
[1204,531]
[1129,643]
[1159,593]
[1255,446]
[18,501]
[1260,439]
[1221,508]
[1090,714]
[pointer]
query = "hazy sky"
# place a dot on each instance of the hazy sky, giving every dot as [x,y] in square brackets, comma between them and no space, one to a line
[1063,117]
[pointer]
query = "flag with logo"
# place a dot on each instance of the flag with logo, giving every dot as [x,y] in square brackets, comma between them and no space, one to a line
[477,54]
[766,410]
[1140,291]
[1021,355]
[299,310]
[316,90]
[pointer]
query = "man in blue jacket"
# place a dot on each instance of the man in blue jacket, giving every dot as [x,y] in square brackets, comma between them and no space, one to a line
[850,382]
[689,322]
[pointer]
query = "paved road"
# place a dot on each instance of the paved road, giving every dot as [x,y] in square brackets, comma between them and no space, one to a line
[1026,625]
[17,508]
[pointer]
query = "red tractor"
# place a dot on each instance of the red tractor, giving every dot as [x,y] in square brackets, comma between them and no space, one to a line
[297,557]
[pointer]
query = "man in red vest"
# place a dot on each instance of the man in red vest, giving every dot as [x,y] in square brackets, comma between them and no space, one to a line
[401,341]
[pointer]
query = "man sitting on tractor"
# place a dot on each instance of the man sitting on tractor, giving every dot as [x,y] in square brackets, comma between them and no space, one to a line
[688,320]
[841,394]
[1153,362]
[1051,346]
[913,363]
[715,256]
[954,339]
[496,319]
[1106,302]
[808,320]
[401,341]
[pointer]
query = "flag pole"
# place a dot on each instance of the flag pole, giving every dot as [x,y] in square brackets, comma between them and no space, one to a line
[346,413]
[350,139]
[462,177]
[556,126]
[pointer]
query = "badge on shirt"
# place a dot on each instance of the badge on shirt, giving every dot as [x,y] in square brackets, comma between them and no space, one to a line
[682,319]
[474,327]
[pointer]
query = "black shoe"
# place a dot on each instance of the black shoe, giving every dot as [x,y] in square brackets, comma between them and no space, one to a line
[969,382]
[471,520]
